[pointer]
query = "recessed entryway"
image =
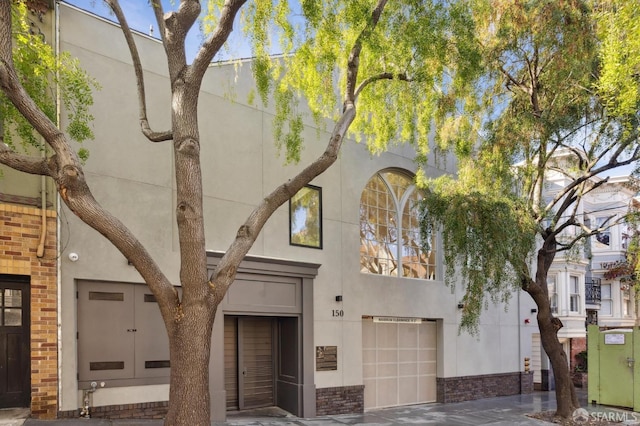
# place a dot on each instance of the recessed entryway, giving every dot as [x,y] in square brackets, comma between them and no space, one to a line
[15,381]
[249,362]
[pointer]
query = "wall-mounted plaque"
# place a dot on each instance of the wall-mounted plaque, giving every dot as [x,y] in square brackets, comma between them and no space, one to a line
[326,358]
[614,339]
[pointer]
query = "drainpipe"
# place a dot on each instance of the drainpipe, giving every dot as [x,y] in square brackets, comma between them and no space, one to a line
[43,207]
[56,43]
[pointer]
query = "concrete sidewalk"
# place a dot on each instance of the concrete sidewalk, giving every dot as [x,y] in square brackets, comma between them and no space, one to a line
[509,410]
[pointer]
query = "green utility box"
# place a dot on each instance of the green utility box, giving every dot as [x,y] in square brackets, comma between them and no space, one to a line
[613,376]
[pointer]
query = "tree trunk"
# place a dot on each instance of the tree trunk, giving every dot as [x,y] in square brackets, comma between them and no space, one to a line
[190,347]
[566,398]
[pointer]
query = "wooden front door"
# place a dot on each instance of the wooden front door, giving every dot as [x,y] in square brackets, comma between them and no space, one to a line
[15,380]
[249,366]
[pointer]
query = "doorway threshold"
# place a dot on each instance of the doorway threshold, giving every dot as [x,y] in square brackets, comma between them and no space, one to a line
[273,411]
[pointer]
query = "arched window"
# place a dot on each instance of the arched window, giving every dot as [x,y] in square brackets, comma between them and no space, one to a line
[389,229]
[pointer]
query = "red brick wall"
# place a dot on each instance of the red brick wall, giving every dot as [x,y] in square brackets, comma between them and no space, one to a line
[578,344]
[19,236]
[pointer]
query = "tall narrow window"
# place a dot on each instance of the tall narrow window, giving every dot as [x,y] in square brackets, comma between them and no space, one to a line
[553,293]
[305,217]
[626,302]
[606,303]
[390,241]
[574,294]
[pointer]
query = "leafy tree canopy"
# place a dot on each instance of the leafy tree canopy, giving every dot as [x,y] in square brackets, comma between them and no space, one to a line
[40,72]
[619,29]
[533,100]
[404,57]
[486,235]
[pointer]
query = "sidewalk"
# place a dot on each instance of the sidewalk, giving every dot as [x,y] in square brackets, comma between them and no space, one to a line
[501,411]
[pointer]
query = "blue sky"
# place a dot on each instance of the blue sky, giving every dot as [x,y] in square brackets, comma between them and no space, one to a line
[140,17]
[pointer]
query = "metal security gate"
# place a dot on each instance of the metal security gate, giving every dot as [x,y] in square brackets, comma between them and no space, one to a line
[399,363]
[249,365]
[613,377]
[15,384]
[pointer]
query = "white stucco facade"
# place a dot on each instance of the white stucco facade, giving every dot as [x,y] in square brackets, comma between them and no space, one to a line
[133,179]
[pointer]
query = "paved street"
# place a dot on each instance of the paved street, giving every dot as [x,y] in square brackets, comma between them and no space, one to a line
[510,410]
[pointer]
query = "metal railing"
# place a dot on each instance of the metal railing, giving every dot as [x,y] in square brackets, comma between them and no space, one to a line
[592,293]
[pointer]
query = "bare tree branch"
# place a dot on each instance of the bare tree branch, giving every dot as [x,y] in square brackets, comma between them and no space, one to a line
[158,11]
[353,64]
[381,76]
[137,66]
[176,26]
[215,41]
[66,170]
[595,171]
[249,231]
[23,163]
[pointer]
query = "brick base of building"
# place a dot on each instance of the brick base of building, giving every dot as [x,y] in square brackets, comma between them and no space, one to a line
[143,410]
[340,400]
[526,382]
[466,388]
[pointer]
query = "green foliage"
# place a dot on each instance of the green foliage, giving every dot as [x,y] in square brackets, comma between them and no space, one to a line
[486,237]
[530,99]
[619,29]
[632,256]
[539,61]
[40,71]
[403,65]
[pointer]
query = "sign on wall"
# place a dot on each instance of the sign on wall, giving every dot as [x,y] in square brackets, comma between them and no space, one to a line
[398,320]
[326,358]
[614,339]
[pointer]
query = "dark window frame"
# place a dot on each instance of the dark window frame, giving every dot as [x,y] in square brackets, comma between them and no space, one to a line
[293,206]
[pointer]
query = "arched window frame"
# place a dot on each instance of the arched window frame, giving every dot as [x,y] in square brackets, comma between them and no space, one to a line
[390,246]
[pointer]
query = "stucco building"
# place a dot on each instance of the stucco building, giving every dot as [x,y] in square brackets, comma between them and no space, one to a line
[336,308]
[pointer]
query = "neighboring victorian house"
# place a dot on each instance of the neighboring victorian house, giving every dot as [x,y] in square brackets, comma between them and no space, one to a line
[616,304]
[580,289]
[337,309]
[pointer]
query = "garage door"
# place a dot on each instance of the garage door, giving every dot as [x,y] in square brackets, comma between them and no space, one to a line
[399,363]
[536,361]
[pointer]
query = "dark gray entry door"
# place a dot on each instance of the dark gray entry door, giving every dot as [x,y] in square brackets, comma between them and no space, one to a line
[15,381]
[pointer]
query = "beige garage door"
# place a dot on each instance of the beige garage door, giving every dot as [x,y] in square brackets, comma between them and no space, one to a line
[399,363]
[536,361]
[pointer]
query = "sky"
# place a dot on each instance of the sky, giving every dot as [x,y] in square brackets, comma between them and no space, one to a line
[140,17]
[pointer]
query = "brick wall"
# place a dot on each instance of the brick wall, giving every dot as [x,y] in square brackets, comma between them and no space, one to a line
[143,410]
[466,388]
[578,344]
[526,382]
[19,236]
[340,400]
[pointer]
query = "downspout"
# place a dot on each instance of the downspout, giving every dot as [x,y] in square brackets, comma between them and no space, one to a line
[43,208]
[520,358]
[43,204]
[56,42]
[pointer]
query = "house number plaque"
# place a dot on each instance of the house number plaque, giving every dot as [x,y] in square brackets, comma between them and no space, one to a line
[326,358]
